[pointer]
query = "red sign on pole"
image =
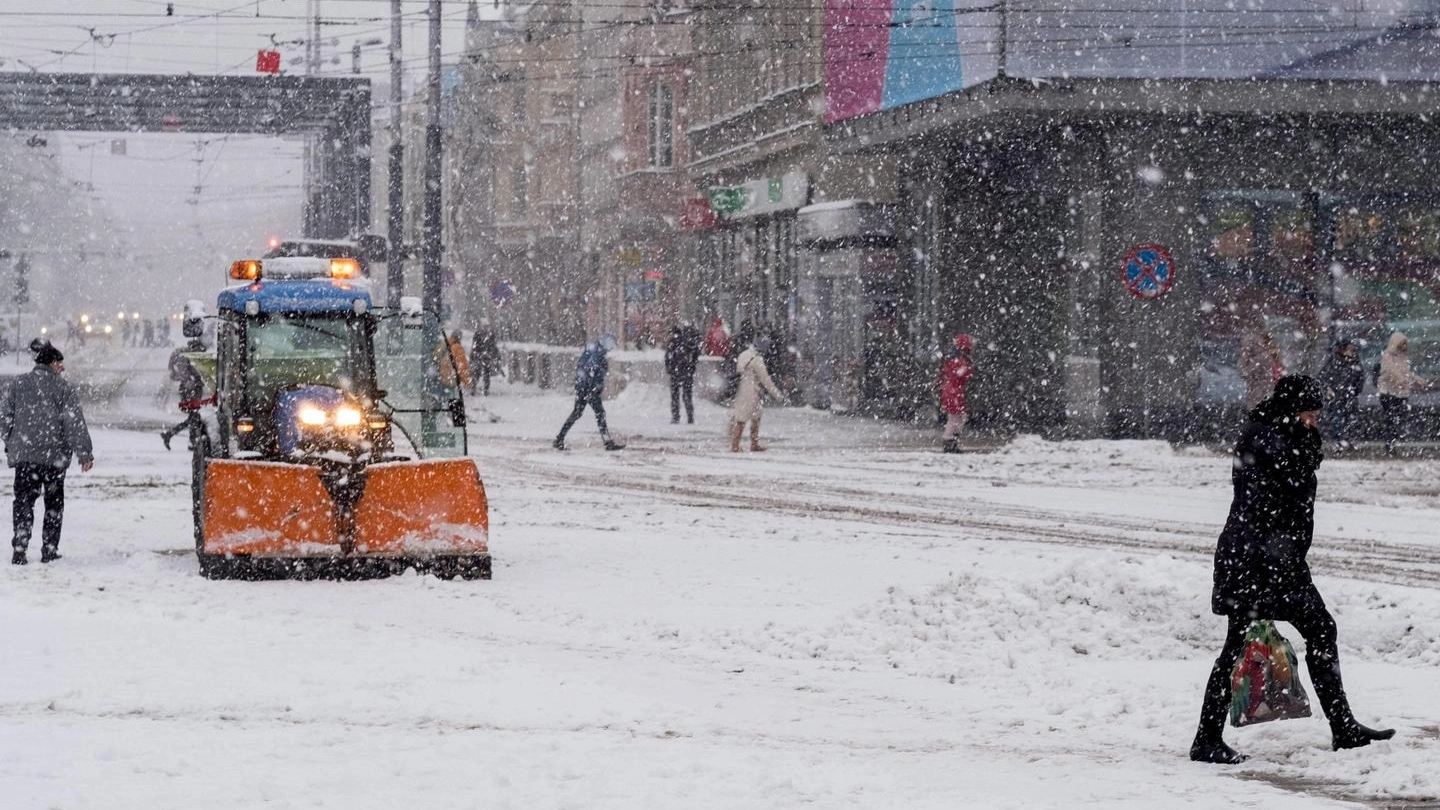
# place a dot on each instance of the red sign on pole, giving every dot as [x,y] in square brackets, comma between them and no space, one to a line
[267,62]
[697,214]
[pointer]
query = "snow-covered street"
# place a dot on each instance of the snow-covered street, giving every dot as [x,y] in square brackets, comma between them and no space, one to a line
[851,620]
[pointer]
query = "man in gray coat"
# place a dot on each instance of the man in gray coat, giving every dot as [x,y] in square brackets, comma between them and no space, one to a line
[43,426]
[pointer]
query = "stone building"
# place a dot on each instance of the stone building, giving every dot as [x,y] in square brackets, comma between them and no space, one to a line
[755,133]
[519,232]
[576,115]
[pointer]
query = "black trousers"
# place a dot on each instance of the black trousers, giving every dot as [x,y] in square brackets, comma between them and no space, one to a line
[1395,409]
[481,380]
[1307,612]
[581,400]
[1340,419]
[31,480]
[682,386]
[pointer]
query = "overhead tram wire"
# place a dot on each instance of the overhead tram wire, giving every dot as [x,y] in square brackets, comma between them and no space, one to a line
[922,50]
[1123,41]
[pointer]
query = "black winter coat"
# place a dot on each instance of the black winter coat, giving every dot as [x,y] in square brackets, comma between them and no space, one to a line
[1345,379]
[682,353]
[1261,554]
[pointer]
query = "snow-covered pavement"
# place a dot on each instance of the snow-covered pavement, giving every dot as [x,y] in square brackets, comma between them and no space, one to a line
[850,620]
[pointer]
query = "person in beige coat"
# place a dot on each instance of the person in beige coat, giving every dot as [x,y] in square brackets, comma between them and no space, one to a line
[748,405]
[1396,382]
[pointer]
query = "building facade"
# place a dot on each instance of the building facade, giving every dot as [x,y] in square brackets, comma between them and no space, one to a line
[1138,243]
[1141,216]
[755,133]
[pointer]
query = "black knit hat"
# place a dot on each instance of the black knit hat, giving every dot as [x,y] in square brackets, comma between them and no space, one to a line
[48,354]
[1295,393]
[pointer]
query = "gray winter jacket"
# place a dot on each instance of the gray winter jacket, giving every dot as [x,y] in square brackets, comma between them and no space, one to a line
[41,421]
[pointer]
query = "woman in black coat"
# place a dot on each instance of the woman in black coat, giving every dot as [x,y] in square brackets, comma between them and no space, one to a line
[1260,568]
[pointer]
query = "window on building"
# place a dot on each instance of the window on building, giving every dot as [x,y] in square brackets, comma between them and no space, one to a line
[519,191]
[662,125]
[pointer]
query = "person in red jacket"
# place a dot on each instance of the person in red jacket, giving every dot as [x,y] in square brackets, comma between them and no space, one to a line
[717,340]
[955,375]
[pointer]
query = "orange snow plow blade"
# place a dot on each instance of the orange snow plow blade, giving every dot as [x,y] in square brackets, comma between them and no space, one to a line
[267,520]
[261,508]
[422,509]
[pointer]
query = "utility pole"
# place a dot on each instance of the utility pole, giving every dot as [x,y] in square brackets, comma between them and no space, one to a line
[431,231]
[395,252]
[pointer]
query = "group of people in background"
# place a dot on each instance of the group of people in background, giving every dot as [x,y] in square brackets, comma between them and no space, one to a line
[746,372]
[1343,377]
[747,362]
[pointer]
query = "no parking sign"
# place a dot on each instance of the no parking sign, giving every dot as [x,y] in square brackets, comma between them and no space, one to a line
[1148,271]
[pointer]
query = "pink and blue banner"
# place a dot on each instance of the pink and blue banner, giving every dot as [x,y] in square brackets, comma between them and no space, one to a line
[881,54]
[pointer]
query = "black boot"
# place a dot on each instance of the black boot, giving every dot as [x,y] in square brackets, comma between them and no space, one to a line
[611,444]
[1323,662]
[1214,751]
[952,446]
[1209,745]
[559,443]
[18,558]
[1354,735]
[48,554]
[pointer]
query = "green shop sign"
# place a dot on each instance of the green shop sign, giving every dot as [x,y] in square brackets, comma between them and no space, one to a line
[762,196]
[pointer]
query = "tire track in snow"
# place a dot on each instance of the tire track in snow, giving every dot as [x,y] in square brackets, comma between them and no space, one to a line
[1409,564]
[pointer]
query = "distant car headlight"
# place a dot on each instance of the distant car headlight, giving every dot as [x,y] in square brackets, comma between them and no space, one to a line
[347,417]
[312,416]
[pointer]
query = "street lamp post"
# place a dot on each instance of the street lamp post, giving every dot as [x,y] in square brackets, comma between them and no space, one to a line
[395,251]
[431,235]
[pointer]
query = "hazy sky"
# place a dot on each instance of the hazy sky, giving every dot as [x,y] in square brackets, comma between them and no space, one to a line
[249,187]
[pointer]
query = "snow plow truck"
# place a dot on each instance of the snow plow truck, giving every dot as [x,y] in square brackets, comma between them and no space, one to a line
[336,446]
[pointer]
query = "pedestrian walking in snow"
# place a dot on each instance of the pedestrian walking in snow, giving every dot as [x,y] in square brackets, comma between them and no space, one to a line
[682,355]
[590,371]
[484,358]
[955,373]
[1260,364]
[43,427]
[455,372]
[192,390]
[752,382]
[1260,567]
[1344,379]
[777,359]
[1396,382]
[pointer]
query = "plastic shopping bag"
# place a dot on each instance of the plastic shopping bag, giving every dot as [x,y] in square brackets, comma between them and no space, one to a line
[1265,683]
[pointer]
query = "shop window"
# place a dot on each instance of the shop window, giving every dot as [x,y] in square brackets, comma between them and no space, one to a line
[1419,234]
[1262,294]
[1232,230]
[1359,233]
[1387,259]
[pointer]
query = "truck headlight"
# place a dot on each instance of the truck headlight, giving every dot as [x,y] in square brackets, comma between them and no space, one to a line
[347,416]
[312,416]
